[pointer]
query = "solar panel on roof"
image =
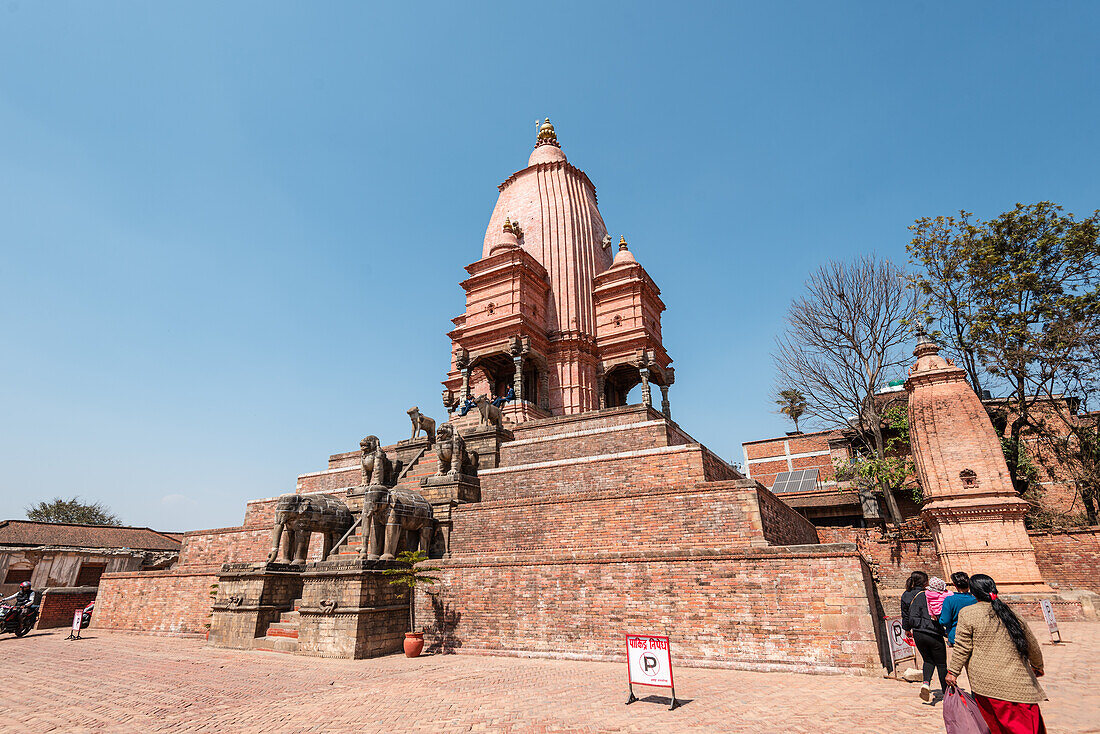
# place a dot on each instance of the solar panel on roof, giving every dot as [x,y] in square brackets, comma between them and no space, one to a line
[800,480]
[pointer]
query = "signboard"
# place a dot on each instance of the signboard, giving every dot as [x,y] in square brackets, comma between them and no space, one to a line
[649,663]
[75,634]
[900,647]
[1048,615]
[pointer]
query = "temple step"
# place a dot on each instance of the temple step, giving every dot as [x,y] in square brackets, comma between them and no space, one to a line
[275,644]
[283,629]
[290,617]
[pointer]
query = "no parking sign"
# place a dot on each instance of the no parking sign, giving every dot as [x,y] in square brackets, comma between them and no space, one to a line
[649,663]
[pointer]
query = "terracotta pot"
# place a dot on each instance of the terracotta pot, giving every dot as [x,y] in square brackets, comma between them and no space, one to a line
[414,644]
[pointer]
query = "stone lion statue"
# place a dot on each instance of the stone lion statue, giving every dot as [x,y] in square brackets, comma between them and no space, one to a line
[490,414]
[453,457]
[377,467]
[421,422]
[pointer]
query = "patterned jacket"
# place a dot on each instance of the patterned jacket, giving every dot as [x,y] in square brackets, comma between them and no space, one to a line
[995,669]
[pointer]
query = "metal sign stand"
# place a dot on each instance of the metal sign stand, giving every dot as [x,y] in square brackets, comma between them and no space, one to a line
[74,633]
[634,698]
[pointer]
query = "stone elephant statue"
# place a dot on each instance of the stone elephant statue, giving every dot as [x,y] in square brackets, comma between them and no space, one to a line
[301,516]
[389,513]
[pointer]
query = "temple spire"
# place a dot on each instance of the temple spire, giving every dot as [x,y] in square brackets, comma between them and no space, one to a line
[547,136]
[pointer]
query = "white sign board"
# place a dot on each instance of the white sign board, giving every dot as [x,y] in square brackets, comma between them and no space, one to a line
[1048,615]
[899,648]
[649,660]
[76,620]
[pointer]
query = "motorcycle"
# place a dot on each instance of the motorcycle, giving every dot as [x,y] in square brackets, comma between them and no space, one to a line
[86,615]
[19,624]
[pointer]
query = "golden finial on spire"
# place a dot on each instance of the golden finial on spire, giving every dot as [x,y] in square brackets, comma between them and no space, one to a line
[622,243]
[507,224]
[547,136]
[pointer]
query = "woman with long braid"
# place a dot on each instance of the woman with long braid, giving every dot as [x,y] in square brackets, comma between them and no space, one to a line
[1002,660]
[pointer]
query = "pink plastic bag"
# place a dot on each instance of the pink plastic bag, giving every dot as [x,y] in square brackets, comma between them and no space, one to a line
[961,714]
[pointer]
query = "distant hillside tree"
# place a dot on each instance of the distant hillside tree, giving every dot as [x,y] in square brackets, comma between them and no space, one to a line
[792,403]
[74,511]
[846,336]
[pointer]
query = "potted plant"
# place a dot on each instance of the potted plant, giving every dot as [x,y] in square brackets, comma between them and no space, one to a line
[410,577]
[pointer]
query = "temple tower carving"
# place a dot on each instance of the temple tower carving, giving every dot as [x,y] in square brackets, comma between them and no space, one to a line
[976,517]
[552,313]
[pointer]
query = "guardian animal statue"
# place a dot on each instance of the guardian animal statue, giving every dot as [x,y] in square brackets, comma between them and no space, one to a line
[451,452]
[300,516]
[390,513]
[422,422]
[490,414]
[377,467]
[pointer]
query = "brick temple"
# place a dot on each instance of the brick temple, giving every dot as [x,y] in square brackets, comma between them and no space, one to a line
[560,515]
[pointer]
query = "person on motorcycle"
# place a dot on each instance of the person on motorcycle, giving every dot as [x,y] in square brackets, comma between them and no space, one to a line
[26,599]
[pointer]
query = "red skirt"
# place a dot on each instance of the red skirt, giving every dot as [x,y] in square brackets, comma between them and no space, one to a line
[1007,717]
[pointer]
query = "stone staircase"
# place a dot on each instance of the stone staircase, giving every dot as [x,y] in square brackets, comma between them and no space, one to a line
[422,465]
[282,636]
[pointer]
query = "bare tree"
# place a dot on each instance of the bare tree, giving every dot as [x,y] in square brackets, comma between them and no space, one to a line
[845,338]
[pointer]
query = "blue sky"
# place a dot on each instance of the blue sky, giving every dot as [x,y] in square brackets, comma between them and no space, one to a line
[232,237]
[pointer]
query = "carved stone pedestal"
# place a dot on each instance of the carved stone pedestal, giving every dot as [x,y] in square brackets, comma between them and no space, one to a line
[486,442]
[251,596]
[460,488]
[350,610]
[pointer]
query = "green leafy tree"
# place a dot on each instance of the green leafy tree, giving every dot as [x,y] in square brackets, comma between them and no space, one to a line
[891,471]
[73,511]
[792,403]
[1018,299]
[411,577]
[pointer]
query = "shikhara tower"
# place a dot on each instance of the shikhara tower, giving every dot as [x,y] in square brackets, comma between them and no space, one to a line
[552,310]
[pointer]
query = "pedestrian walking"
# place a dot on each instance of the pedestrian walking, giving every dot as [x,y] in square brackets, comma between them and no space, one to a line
[949,614]
[925,632]
[1002,660]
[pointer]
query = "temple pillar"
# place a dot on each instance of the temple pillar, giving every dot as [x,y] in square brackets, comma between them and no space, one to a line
[544,390]
[601,390]
[517,381]
[665,407]
[647,396]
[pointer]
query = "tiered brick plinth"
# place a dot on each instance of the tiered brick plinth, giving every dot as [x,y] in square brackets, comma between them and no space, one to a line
[616,521]
[350,610]
[250,597]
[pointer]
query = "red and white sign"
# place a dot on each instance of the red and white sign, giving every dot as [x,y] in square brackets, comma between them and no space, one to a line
[1048,615]
[77,620]
[900,646]
[649,660]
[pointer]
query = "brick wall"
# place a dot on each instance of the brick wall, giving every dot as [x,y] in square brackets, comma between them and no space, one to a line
[891,561]
[58,605]
[749,609]
[662,467]
[601,419]
[225,545]
[165,602]
[781,524]
[627,517]
[588,441]
[1069,558]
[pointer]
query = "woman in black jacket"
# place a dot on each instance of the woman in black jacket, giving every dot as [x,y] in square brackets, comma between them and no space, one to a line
[925,632]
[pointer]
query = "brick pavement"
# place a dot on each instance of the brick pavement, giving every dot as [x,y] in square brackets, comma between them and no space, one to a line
[114,682]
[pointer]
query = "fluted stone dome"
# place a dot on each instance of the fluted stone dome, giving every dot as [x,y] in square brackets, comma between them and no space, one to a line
[553,204]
